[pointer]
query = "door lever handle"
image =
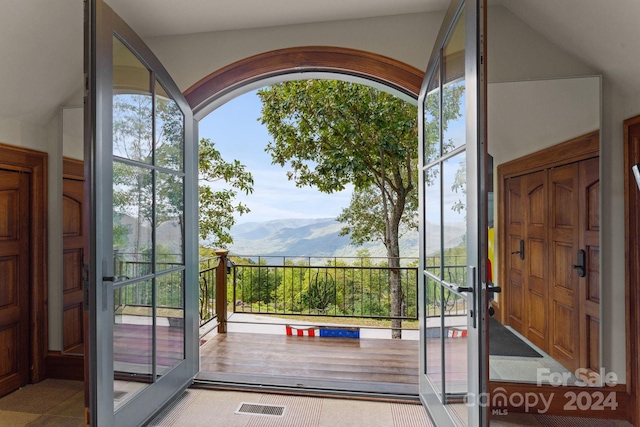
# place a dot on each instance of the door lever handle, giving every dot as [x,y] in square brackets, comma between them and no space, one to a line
[494,289]
[580,266]
[115,278]
[521,251]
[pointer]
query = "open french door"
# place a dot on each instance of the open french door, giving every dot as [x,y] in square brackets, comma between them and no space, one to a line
[141,165]
[453,236]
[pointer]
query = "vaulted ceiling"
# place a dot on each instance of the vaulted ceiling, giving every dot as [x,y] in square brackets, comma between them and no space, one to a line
[41,40]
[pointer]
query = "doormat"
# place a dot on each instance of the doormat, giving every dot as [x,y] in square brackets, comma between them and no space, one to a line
[503,342]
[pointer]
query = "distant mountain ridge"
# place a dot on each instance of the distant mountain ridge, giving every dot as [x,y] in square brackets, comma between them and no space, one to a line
[312,237]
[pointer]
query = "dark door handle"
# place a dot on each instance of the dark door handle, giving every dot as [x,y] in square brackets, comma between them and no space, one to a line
[494,289]
[115,278]
[521,251]
[580,266]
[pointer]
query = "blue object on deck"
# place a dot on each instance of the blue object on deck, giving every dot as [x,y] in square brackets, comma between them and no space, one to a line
[340,332]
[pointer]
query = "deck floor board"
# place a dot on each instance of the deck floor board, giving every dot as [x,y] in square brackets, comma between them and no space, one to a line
[366,361]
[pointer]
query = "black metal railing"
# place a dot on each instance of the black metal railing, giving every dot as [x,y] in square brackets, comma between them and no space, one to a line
[439,298]
[334,287]
[207,297]
[303,286]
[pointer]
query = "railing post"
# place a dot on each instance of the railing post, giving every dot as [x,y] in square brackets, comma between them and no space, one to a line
[221,290]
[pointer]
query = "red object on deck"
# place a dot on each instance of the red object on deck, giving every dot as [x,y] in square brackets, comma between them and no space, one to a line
[310,331]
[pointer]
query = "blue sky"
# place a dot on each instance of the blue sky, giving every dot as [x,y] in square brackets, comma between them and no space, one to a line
[237,134]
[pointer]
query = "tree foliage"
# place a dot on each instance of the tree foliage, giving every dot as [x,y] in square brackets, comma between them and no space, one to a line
[331,133]
[133,139]
[218,206]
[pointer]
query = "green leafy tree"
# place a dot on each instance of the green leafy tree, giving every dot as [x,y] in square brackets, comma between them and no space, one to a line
[257,283]
[334,133]
[218,206]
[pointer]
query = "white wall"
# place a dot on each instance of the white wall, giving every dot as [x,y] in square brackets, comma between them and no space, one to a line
[612,234]
[517,52]
[46,139]
[407,38]
[528,116]
[72,132]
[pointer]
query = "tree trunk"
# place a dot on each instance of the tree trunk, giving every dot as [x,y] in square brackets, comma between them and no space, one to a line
[393,254]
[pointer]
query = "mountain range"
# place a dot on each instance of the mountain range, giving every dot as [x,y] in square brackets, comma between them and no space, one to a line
[318,237]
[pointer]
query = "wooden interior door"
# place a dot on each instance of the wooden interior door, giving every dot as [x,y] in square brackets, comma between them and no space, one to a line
[535,257]
[589,285]
[564,234]
[14,280]
[73,256]
[515,233]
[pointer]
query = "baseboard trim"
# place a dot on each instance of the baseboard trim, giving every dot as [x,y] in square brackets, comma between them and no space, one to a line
[64,366]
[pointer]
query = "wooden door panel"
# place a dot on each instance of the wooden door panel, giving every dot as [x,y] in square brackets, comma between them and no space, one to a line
[14,280]
[590,342]
[565,346]
[9,214]
[72,211]
[73,327]
[556,218]
[9,266]
[514,293]
[536,318]
[73,257]
[563,273]
[536,264]
[592,285]
[515,298]
[564,339]
[589,286]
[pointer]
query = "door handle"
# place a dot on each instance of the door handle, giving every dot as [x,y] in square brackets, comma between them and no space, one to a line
[580,266]
[494,289]
[521,251]
[115,278]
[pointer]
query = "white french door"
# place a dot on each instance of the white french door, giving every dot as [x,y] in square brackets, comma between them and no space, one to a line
[453,236]
[141,153]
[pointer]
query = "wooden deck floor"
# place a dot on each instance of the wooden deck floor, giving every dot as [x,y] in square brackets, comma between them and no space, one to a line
[345,364]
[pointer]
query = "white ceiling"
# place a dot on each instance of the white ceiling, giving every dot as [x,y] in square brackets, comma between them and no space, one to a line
[37,36]
[168,17]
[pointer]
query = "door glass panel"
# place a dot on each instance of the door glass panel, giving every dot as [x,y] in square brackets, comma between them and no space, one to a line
[169,320]
[169,138]
[454,216]
[455,272]
[148,228]
[445,240]
[132,339]
[169,219]
[132,220]
[143,158]
[453,98]
[132,106]
[431,139]
[434,335]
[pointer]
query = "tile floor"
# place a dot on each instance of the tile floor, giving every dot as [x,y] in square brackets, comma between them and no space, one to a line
[60,403]
[50,403]
[197,407]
